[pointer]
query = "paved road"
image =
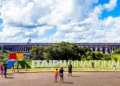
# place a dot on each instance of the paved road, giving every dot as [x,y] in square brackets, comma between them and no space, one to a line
[47,79]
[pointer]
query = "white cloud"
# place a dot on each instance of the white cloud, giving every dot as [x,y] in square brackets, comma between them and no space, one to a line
[75,21]
[109,21]
[111,5]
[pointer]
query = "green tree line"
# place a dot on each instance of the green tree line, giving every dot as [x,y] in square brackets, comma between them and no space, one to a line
[66,51]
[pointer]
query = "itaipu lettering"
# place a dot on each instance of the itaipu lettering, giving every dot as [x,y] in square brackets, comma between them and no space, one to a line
[75,63]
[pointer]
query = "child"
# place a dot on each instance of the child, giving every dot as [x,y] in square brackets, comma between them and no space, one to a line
[56,75]
[1,71]
[114,69]
[25,67]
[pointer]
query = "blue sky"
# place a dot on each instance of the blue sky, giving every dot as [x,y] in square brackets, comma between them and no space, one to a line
[79,21]
[113,13]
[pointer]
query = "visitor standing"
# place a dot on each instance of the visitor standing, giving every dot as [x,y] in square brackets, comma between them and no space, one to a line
[114,68]
[1,70]
[5,69]
[25,67]
[70,69]
[56,75]
[93,65]
[13,70]
[61,74]
[17,66]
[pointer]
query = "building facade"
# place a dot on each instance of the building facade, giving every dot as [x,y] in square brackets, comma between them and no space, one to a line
[25,47]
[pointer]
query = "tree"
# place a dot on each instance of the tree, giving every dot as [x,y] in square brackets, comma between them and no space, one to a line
[66,51]
[85,52]
[97,56]
[37,52]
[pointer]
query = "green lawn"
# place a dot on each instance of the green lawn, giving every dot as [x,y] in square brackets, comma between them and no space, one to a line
[97,68]
[116,56]
[53,69]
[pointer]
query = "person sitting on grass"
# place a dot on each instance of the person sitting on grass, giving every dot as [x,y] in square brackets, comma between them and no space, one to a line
[56,75]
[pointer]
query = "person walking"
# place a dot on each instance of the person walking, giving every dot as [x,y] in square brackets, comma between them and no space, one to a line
[61,74]
[5,70]
[70,69]
[17,66]
[13,70]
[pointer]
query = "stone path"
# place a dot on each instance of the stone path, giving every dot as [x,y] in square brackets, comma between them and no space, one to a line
[47,79]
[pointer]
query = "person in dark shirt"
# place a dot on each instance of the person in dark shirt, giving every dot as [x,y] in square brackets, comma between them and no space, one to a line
[70,69]
[5,69]
[61,74]
[93,65]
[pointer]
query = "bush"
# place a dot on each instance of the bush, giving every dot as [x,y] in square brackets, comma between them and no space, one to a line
[107,58]
[115,59]
[89,58]
[83,59]
[116,51]
[97,56]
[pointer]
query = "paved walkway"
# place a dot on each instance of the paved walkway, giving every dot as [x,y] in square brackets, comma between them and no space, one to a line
[47,79]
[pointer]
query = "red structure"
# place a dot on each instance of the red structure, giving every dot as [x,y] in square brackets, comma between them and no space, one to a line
[12,56]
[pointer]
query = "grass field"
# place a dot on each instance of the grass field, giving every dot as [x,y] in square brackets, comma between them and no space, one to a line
[74,69]
[116,56]
[85,67]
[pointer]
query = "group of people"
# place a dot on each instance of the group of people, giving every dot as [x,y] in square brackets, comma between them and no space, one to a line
[3,70]
[17,67]
[61,74]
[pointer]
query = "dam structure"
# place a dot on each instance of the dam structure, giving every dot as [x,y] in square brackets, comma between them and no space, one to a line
[106,48]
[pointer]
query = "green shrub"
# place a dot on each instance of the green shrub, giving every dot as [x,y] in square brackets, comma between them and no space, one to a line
[89,58]
[106,57]
[115,59]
